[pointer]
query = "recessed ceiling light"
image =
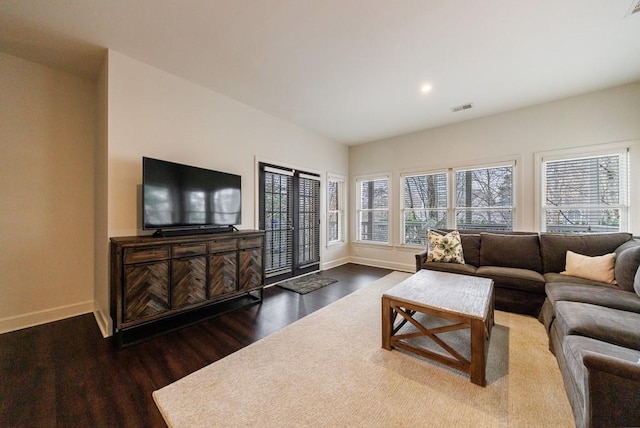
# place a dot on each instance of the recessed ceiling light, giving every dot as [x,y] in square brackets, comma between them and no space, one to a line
[425,88]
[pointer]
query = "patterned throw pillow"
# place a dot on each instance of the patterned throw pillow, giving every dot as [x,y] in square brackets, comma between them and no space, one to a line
[445,248]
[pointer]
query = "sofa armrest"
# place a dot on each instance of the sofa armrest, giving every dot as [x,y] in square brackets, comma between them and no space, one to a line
[420,259]
[613,390]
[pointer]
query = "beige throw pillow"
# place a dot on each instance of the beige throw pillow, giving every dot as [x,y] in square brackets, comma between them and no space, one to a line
[598,268]
[445,248]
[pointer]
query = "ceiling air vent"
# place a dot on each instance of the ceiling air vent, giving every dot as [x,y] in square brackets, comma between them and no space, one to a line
[462,107]
[635,8]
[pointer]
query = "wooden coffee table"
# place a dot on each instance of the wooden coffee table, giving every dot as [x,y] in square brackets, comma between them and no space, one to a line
[465,302]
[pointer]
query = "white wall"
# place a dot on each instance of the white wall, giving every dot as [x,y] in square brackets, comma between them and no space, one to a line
[47,126]
[153,113]
[602,117]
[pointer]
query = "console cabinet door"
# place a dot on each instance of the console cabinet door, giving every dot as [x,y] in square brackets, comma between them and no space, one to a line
[223,277]
[188,281]
[251,269]
[146,290]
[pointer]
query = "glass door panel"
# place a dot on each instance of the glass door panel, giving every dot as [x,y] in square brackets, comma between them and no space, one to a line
[290,217]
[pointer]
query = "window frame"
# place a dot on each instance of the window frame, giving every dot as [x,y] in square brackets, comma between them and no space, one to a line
[340,211]
[603,150]
[358,208]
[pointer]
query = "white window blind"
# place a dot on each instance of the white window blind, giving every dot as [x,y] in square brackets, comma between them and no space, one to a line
[585,194]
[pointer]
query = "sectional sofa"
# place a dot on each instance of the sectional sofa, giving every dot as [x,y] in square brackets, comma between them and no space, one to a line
[593,324]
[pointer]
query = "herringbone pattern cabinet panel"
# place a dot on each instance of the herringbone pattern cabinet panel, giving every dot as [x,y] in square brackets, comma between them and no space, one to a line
[222,274]
[251,268]
[188,279]
[146,290]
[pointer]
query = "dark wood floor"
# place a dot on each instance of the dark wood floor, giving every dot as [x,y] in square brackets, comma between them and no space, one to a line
[65,374]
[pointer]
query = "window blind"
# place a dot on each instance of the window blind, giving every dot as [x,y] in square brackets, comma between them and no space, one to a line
[308,220]
[587,194]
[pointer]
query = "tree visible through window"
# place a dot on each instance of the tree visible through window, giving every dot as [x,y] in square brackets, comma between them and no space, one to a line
[373,210]
[335,209]
[586,194]
[424,206]
[484,198]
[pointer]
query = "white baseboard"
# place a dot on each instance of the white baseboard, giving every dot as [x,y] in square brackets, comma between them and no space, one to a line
[335,263]
[104,322]
[383,264]
[32,319]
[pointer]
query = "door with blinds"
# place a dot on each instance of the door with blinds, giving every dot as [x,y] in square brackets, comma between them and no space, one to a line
[290,216]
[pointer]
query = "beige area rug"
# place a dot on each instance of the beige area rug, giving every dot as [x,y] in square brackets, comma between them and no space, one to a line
[328,369]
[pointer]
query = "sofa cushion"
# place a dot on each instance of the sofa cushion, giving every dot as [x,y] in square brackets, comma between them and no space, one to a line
[596,268]
[627,263]
[464,269]
[636,283]
[514,251]
[601,296]
[520,279]
[554,247]
[610,325]
[444,248]
[552,277]
[471,248]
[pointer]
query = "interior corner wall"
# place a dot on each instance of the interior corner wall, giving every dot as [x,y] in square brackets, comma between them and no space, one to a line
[606,116]
[101,232]
[47,125]
[157,114]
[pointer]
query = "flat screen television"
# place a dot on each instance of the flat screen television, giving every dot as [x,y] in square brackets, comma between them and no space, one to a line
[182,197]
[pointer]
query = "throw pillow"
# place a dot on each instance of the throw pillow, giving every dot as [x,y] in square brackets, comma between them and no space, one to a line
[598,268]
[445,248]
[636,282]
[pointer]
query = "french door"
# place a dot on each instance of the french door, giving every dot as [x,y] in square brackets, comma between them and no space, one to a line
[290,216]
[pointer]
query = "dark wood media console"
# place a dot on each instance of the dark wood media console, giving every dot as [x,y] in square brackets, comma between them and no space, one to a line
[159,284]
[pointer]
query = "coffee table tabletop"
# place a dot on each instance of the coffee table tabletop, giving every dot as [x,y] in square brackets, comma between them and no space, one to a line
[461,294]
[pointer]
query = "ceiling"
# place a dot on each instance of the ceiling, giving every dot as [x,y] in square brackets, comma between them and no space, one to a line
[350,70]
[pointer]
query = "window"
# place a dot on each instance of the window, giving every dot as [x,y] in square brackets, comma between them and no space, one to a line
[424,206]
[373,210]
[484,198]
[464,198]
[335,209]
[585,193]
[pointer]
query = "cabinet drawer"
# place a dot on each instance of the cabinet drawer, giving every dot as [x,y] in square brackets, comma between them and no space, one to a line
[146,254]
[253,242]
[223,245]
[181,250]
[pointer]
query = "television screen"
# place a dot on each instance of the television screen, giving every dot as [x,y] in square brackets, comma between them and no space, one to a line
[183,196]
